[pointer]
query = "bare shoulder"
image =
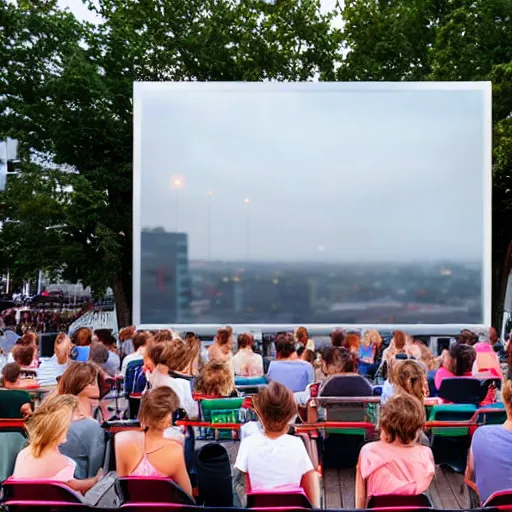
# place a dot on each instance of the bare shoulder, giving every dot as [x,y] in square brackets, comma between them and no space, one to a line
[127,437]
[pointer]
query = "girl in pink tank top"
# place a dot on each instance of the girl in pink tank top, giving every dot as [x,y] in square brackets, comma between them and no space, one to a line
[144,467]
[397,464]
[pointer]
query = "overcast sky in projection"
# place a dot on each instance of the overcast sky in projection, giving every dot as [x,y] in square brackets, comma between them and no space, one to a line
[363,176]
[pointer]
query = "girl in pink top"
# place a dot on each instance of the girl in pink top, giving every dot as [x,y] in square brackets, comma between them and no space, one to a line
[457,363]
[397,464]
[149,453]
[47,429]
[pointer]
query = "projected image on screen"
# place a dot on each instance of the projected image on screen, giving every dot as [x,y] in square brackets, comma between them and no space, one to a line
[268,204]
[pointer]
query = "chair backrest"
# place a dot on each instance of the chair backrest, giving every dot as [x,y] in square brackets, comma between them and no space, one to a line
[135,489]
[451,412]
[276,499]
[346,385]
[461,390]
[43,490]
[399,500]
[130,375]
[499,499]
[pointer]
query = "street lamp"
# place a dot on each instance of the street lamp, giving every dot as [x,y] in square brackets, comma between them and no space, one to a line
[177,183]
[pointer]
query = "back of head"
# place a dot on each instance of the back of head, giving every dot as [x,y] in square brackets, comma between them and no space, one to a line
[223,336]
[215,379]
[127,333]
[463,357]
[302,335]
[140,339]
[285,346]
[402,419]
[48,425]
[24,354]
[179,355]
[372,337]
[106,337]
[275,406]
[10,321]
[507,396]
[244,340]
[467,337]
[164,335]
[11,373]
[337,337]
[82,337]
[410,377]
[98,354]
[399,339]
[339,360]
[352,341]
[29,338]
[77,377]
[157,406]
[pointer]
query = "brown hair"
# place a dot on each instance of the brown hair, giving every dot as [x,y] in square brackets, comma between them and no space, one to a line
[426,355]
[245,340]
[50,422]
[339,360]
[163,335]
[401,418]
[179,355]
[285,346]
[275,406]
[337,337]
[126,333]
[302,335]
[82,337]
[11,373]
[24,354]
[215,379]
[140,339]
[106,337]
[507,394]
[156,405]
[462,359]
[352,342]
[223,335]
[467,337]
[155,351]
[77,377]
[29,338]
[399,339]
[409,376]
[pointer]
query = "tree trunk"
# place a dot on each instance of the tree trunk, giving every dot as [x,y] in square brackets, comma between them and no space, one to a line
[122,287]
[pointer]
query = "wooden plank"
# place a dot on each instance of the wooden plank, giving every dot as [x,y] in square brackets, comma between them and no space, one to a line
[459,488]
[348,487]
[332,490]
[441,492]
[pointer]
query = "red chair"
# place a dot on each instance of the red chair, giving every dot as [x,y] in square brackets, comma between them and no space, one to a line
[399,501]
[141,489]
[501,500]
[41,492]
[277,499]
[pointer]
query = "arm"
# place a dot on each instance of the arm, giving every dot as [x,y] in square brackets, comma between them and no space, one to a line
[26,410]
[311,485]
[470,468]
[180,476]
[360,489]
[84,485]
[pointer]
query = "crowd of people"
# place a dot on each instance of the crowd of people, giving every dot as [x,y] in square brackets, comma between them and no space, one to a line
[67,444]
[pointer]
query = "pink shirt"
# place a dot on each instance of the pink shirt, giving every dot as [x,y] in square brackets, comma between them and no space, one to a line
[442,374]
[51,466]
[390,468]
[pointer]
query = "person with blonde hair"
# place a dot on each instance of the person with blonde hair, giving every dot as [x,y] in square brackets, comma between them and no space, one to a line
[216,380]
[47,429]
[149,453]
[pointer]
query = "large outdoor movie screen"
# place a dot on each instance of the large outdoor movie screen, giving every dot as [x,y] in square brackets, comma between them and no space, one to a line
[311,203]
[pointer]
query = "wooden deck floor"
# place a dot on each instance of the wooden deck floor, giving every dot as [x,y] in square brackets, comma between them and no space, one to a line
[447,490]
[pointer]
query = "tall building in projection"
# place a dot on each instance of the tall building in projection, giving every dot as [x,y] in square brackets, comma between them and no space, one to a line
[165,278]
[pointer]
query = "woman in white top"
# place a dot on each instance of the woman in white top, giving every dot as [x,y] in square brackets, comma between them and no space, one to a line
[272,459]
[245,362]
[171,357]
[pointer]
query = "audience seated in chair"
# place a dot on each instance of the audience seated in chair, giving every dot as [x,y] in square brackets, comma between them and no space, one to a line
[14,402]
[397,464]
[216,381]
[489,464]
[458,363]
[245,362]
[85,441]
[139,342]
[52,369]
[149,453]
[47,429]
[287,369]
[272,459]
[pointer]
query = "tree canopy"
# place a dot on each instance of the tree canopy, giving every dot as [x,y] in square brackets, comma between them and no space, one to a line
[66,91]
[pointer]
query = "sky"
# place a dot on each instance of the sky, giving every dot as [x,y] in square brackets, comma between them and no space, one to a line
[330,176]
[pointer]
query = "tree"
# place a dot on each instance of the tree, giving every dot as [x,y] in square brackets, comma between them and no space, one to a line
[445,40]
[66,96]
